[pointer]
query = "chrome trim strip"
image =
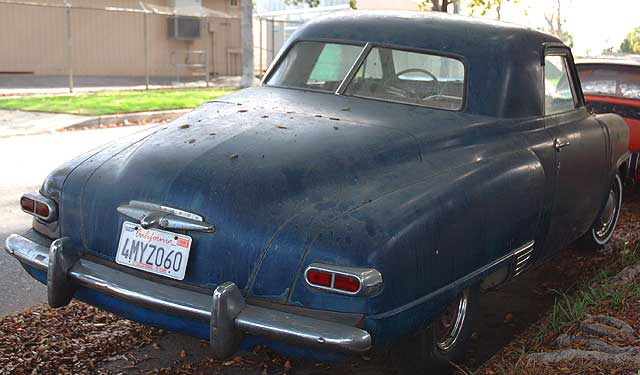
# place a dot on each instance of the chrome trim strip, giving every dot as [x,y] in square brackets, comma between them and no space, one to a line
[342,87]
[151,215]
[370,279]
[171,210]
[455,284]
[227,310]
[522,256]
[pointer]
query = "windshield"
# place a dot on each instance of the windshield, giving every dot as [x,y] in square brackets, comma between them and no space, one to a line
[610,80]
[387,74]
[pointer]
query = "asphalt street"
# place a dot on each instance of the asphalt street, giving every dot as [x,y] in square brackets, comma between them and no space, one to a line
[24,163]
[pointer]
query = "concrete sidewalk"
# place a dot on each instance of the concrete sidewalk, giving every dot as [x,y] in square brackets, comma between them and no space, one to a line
[17,123]
[25,84]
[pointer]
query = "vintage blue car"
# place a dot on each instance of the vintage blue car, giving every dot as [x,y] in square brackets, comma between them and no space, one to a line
[389,168]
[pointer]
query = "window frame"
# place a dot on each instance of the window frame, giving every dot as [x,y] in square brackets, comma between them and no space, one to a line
[353,70]
[572,77]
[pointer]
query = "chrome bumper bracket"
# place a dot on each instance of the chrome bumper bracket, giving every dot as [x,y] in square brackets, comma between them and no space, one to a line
[227,303]
[60,289]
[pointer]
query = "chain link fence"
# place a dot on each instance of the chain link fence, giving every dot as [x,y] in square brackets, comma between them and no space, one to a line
[270,34]
[63,45]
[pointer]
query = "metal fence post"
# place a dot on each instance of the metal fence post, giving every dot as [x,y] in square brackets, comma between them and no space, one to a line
[260,46]
[146,50]
[273,40]
[207,49]
[145,25]
[69,46]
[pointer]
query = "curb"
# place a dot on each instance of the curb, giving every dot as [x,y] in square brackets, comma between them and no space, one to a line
[108,120]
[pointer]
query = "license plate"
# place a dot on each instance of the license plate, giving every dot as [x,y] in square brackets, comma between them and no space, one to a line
[152,250]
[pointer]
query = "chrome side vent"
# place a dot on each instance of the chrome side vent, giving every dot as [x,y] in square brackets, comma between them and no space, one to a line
[522,258]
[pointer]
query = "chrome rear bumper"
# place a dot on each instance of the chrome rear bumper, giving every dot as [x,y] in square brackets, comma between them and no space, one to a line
[229,314]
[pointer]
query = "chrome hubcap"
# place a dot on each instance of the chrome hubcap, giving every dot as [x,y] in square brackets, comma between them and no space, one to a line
[449,326]
[607,219]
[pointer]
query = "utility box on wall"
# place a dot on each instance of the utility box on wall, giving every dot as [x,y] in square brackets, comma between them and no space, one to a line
[183,27]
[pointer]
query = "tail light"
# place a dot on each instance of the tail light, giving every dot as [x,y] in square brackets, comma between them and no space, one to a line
[41,207]
[354,281]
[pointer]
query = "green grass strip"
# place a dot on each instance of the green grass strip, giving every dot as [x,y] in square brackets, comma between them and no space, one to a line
[104,103]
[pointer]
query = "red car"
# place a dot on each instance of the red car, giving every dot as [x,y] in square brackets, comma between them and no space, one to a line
[612,84]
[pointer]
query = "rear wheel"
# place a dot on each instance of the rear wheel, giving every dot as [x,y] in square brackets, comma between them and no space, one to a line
[434,349]
[602,230]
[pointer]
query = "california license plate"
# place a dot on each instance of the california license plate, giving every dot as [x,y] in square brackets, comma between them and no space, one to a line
[152,250]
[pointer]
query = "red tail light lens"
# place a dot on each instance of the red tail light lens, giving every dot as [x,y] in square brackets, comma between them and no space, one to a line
[347,283]
[333,280]
[27,204]
[42,210]
[320,278]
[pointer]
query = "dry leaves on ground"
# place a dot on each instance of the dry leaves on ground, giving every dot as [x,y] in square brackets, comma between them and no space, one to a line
[69,340]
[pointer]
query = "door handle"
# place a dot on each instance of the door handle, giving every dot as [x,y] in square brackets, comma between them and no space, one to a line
[558,144]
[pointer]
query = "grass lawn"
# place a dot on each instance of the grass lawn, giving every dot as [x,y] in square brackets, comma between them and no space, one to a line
[103,103]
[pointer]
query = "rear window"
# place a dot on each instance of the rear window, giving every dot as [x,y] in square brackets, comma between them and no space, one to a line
[389,74]
[410,77]
[315,65]
[610,80]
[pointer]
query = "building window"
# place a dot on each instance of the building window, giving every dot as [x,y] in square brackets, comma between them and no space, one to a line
[234,3]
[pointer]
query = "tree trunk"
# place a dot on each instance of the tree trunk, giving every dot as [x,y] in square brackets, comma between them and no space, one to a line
[246,33]
[440,5]
[559,28]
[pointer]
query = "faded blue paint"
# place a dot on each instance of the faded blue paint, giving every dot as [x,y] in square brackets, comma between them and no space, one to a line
[426,196]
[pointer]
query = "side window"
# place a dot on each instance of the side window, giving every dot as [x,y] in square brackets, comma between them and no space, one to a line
[558,96]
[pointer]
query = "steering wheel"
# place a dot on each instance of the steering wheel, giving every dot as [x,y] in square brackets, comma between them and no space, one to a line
[412,93]
[418,70]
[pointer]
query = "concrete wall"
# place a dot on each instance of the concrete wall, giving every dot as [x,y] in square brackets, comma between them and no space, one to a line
[33,39]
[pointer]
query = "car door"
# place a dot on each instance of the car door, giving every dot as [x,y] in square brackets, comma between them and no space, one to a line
[580,144]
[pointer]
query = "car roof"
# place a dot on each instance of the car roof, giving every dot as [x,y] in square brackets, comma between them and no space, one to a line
[501,58]
[622,60]
[422,29]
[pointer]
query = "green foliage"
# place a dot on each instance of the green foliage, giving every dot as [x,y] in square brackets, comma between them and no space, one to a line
[631,44]
[485,5]
[434,5]
[568,310]
[566,38]
[353,4]
[311,3]
[115,101]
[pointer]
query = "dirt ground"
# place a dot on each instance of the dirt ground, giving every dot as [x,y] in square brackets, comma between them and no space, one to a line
[81,339]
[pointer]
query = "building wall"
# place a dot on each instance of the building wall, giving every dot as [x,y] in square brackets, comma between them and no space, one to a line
[34,39]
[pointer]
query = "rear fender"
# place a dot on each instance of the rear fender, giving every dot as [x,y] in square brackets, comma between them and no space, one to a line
[431,239]
[618,132]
